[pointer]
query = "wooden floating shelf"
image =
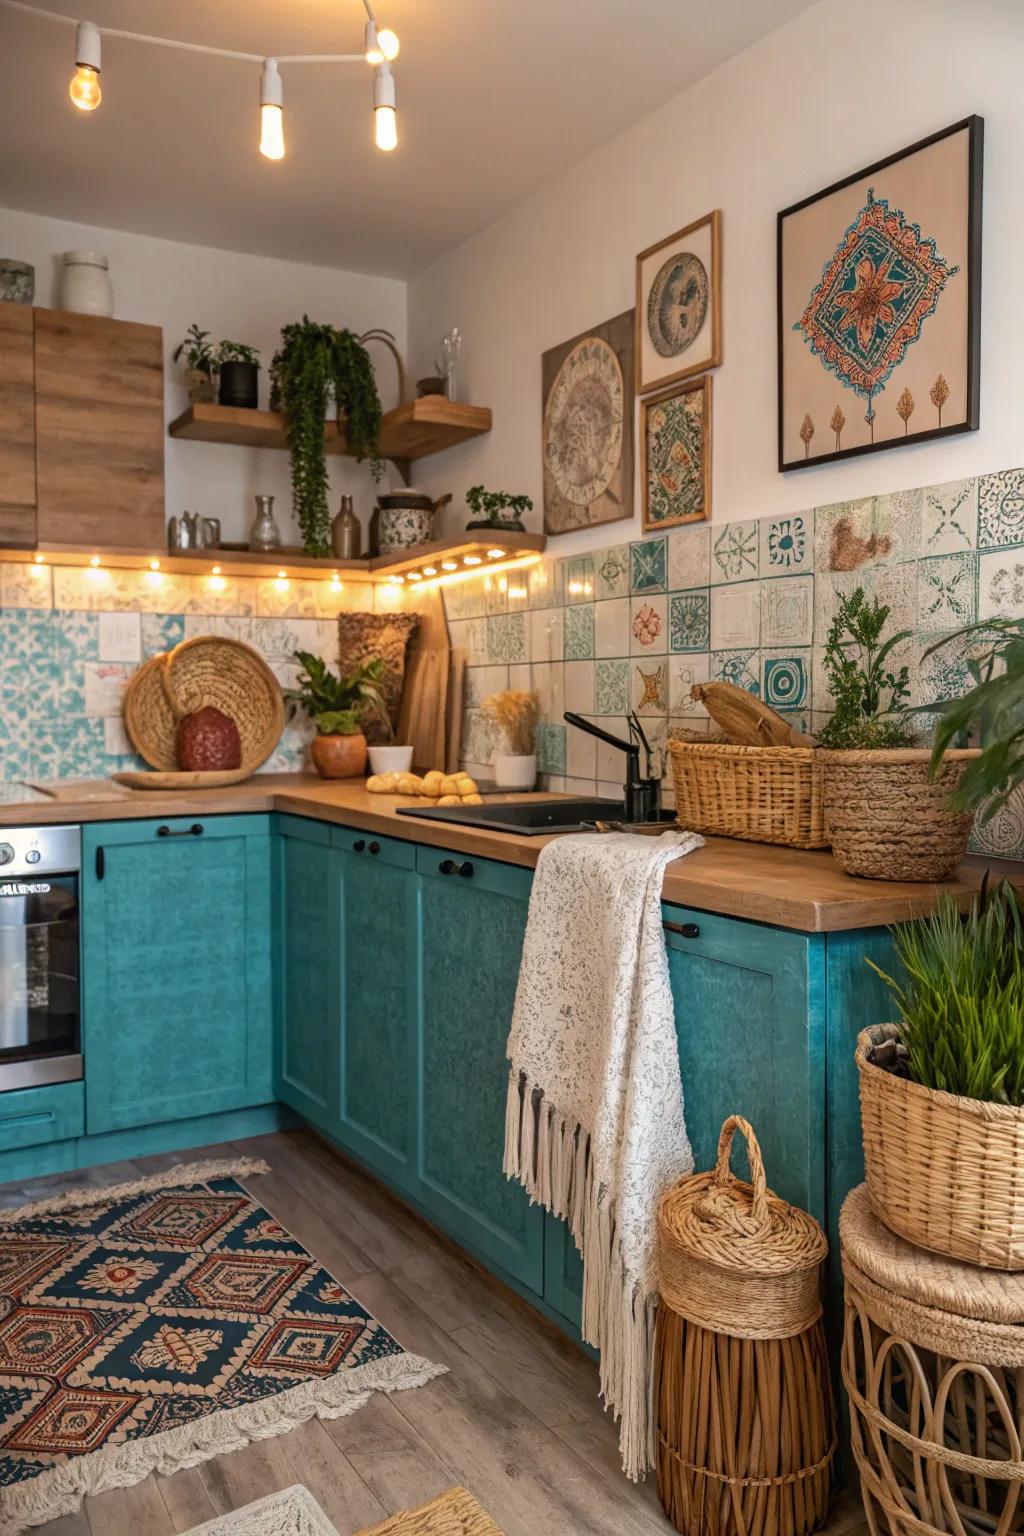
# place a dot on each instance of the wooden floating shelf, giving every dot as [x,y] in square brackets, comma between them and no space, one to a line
[243,562]
[411,431]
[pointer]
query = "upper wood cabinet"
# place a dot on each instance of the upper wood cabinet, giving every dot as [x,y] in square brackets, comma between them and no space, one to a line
[17,428]
[99,424]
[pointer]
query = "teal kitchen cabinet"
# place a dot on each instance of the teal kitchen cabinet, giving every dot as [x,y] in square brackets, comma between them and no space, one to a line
[472,923]
[177,997]
[375,915]
[31,1116]
[307,981]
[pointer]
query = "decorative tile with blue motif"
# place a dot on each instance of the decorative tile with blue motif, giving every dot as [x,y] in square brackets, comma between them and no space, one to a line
[742,668]
[786,679]
[550,747]
[787,544]
[735,552]
[648,572]
[947,591]
[949,519]
[689,621]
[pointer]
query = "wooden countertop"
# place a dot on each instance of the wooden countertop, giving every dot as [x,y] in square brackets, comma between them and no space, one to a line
[782,886]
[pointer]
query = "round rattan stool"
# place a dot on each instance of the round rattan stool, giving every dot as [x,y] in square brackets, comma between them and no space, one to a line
[743,1401]
[933,1364]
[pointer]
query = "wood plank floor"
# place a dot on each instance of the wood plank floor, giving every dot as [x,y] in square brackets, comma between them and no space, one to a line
[516,1419]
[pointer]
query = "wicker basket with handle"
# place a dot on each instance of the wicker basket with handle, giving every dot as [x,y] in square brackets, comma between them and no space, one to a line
[745,1417]
[760,794]
[945,1172]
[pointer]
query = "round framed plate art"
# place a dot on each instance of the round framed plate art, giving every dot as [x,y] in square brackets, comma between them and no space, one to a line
[678,305]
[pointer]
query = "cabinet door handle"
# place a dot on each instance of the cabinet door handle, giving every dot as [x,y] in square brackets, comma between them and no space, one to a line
[685,930]
[375,848]
[359,845]
[449,867]
[465,869]
[101,863]
[195,830]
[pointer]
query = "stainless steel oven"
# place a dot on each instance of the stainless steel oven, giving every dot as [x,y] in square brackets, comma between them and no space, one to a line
[40,969]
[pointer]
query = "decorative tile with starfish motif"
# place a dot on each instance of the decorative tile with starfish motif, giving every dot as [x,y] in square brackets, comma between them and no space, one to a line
[650,686]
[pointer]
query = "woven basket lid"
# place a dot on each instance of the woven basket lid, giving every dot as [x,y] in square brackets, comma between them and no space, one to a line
[148,716]
[733,1256]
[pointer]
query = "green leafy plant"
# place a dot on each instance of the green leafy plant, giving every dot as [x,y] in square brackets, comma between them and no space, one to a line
[198,351]
[315,365]
[237,352]
[993,709]
[490,505]
[870,698]
[961,997]
[336,704]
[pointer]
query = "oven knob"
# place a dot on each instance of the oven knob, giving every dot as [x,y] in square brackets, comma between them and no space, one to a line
[33,856]
[6,853]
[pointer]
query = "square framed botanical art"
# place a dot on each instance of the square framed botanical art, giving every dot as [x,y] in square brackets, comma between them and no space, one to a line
[879,304]
[675,436]
[679,305]
[588,427]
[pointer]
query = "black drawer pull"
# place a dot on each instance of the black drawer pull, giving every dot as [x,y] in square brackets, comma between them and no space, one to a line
[685,930]
[195,830]
[447,866]
[359,845]
[375,847]
[465,869]
[101,863]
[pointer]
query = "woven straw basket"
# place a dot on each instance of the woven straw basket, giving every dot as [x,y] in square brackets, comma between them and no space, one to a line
[888,820]
[945,1172]
[208,670]
[746,1424]
[761,794]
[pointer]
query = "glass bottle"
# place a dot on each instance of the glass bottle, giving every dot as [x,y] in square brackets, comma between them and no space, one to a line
[346,534]
[264,533]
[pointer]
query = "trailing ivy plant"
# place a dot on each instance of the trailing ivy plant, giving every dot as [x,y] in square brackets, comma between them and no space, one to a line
[869,698]
[315,365]
[961,997]
[993,709]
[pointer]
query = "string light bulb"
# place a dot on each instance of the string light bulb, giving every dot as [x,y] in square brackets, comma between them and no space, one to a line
[271,111]
[382,46]
[84,90]
[385,118]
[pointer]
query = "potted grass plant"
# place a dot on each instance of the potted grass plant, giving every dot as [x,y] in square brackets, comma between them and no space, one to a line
[336,705]
[887,809]
[942,1090]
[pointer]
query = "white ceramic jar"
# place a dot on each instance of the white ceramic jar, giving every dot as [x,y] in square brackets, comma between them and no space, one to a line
[513,770]
[85,284]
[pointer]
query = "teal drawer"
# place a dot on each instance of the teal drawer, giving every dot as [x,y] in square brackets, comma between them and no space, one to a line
[386,850]
[31,1116]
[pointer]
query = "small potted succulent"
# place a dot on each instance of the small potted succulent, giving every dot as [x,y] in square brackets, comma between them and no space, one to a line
[336,706]
[200,364]
[887,815]
[496,510]
[239,375]
[512,716]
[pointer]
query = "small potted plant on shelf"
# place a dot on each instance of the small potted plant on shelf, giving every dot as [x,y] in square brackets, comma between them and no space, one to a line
[200,364]
[885,816]
[512,716]
[336,706]
[239,367]
[315,368]
[496,510]
[942,1091]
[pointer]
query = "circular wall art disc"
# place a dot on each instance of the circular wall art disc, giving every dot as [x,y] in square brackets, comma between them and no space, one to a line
[677,304]
[583,425]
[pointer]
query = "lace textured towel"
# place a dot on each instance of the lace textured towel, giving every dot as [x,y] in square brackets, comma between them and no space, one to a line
[594,1127]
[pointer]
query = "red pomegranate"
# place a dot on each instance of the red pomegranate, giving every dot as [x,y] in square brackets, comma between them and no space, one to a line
[208,742]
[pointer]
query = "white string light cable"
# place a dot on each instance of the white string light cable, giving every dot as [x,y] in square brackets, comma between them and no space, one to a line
[380,50]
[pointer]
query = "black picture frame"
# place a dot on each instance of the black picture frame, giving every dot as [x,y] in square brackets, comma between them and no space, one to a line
[975,127]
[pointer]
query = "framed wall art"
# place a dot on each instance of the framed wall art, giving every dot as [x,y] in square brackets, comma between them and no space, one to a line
[675,443]
[678,305]
[588,428]
[879,304]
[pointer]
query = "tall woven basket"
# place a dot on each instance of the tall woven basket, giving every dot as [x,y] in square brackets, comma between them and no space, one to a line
[743,1400]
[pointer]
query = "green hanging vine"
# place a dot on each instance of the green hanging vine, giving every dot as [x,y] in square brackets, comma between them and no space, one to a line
[315,365]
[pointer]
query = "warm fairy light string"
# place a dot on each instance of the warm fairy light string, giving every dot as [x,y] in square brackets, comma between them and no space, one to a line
[380,49]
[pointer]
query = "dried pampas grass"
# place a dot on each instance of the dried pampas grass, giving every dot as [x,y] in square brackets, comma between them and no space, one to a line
[513,714]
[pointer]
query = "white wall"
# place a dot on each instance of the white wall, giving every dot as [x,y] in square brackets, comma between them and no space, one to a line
[243,298]
[842,86]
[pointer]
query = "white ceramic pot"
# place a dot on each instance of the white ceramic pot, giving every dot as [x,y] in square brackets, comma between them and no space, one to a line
[514,771]
[85,284]
[390,759]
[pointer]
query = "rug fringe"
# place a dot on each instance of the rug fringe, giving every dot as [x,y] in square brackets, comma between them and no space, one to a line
[60,1490]
[181,1173]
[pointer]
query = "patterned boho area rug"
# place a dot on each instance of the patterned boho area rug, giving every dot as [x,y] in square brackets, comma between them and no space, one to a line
[149,1326]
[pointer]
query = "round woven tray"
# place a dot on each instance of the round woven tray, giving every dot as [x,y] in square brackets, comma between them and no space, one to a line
[735,1258]
[209,670]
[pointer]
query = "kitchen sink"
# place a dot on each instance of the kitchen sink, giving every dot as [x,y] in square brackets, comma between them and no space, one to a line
[529,818]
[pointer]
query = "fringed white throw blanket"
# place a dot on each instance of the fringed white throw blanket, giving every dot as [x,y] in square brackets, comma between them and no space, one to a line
[594,1128]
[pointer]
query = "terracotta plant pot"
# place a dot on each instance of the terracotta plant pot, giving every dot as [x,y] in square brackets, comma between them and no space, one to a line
[887,819]
[339,757]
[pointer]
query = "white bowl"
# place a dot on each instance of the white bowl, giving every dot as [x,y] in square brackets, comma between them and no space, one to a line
[390,759]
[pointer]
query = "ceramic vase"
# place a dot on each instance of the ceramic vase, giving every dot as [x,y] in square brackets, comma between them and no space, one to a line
[85,284]
[339,757]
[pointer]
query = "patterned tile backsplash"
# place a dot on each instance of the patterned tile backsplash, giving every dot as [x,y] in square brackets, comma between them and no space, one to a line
[637,625]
